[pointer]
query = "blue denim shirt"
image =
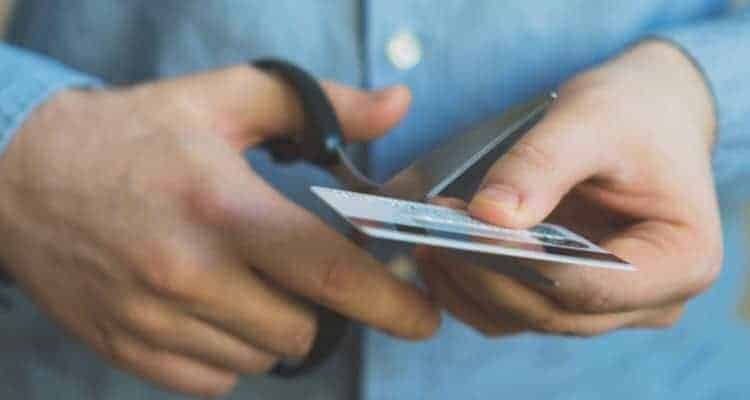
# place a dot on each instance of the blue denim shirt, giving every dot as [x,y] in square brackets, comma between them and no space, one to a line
[478,57]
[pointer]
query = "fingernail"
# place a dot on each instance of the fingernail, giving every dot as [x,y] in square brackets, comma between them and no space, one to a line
[499,196]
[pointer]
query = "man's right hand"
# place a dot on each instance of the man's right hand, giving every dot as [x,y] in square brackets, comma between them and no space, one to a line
[132,218]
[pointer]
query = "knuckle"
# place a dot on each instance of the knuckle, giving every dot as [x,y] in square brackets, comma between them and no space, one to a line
[336,282]
[664,323]
[669,320]
[714,263]
[595,299]
[169,274]
[590,91]
[260,364]
[118,350]
[423,325]
[207,204]
[105,340]
[145,318]
[707,271]
[587,331]
[111,341]
[549,323]
[561,326]
[200,188]
[117,354]
[703,282]
[218,389]
[591,294]
[213,387]
[533,154]
[303,338]
[182,152]
[170,280]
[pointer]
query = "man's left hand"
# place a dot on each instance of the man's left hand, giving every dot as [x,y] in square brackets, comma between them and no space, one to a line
[624,158]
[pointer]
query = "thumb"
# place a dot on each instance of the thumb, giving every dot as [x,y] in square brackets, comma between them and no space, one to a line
[366,115]
[525,185]
[274,109]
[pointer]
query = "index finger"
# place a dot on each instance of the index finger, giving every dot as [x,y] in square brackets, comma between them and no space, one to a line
[310,259]
[298,252]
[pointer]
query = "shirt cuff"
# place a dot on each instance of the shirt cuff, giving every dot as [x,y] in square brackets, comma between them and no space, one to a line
[720,48]
[26,81]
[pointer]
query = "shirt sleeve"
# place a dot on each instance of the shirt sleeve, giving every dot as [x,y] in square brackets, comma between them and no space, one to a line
[26,81]
[720,48]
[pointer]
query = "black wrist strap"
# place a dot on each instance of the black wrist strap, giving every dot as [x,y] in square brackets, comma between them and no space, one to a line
[317,144]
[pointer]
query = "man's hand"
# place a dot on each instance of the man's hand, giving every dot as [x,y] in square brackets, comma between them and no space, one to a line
[131,217]
[624,158]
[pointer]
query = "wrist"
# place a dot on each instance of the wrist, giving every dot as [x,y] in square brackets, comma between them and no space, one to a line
[16,186]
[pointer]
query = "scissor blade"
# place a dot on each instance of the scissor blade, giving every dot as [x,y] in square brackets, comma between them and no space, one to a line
[428,176]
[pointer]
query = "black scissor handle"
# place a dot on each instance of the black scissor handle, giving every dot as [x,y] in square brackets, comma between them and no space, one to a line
[322,137]
[318,144]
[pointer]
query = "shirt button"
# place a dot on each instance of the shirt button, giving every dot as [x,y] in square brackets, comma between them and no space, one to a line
[404,50]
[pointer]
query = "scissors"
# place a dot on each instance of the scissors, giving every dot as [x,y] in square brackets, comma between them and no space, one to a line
[322,144]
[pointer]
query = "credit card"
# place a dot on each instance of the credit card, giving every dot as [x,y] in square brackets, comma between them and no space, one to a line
[418,223]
